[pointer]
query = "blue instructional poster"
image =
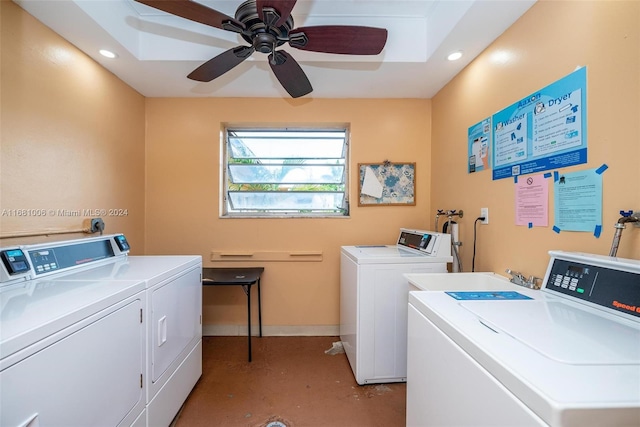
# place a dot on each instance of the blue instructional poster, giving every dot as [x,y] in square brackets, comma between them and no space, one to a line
[478,138]
[545,130]
[578,201]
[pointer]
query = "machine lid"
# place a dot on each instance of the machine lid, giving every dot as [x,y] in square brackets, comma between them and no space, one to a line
[153,269]
[35,309]
[387,251]
[411,246]
[563,331]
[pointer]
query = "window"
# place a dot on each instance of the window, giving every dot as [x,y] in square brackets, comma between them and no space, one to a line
[285,172]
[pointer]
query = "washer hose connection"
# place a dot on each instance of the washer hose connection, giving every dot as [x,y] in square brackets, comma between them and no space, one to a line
[627,217]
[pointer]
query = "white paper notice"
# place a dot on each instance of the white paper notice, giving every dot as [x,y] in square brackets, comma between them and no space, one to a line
[371,185]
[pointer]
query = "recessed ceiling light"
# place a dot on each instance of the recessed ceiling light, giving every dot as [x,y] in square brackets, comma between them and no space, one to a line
[454,56]
[108,54]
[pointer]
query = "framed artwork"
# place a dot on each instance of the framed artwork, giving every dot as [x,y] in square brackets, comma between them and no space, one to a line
[384,184]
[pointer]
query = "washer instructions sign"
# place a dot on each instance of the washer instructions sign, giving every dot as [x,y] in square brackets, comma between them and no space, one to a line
[546,130]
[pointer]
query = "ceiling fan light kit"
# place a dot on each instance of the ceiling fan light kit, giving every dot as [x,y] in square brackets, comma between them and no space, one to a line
[267,25]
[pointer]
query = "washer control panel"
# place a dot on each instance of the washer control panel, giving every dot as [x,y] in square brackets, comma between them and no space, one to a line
[27,262]
[612,284]
[44,260]
[427,242]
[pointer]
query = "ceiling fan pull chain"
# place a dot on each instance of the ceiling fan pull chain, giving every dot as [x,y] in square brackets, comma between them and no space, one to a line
[276,58]
[272,58]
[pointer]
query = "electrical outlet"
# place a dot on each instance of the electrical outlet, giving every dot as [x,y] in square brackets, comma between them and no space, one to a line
[97,224]
[485,213]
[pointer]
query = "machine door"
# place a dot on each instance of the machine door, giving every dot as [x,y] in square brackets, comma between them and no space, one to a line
[383,296]
[89,378]
[176,307]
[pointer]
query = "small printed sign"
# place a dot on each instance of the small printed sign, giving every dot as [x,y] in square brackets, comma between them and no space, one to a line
[477,296]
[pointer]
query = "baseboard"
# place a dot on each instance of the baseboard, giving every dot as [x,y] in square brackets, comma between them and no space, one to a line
[272,331]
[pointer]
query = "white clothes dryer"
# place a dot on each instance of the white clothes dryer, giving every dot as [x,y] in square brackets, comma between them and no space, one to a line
[565,356]
[174,329]
[374,296]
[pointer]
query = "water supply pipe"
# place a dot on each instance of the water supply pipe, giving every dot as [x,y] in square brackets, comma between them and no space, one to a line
[438,213]
[448,228]
[627,217]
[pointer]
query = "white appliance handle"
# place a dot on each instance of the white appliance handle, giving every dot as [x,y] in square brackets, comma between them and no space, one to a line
[162,330]
[33,421]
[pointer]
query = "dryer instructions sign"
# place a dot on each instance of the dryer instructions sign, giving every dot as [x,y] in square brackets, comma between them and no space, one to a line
[546,130]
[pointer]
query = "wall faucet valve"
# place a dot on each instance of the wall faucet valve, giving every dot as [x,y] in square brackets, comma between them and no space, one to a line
[518,279]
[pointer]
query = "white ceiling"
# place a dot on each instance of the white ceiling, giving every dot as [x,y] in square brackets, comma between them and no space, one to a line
[156,51]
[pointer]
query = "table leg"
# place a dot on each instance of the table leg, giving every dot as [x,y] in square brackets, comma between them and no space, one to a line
[259,308]
[249,318]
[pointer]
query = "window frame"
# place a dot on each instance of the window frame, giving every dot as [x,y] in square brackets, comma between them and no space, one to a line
[224,199]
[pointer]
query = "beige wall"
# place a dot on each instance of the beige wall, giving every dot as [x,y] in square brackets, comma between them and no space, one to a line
[547,43]
[183,181]
[72,136]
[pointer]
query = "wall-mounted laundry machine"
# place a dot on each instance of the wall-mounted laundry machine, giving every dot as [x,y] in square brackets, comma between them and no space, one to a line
[565,356]
[70,312]
[374,296]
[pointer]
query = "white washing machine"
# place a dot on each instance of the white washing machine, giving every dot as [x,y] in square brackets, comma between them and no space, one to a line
[373,300]
[565,356]
[167,320]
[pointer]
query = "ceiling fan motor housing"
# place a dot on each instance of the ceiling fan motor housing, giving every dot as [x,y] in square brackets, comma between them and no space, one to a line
[262,36]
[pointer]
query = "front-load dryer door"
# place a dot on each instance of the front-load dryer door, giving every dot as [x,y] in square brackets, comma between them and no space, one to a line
[176,307]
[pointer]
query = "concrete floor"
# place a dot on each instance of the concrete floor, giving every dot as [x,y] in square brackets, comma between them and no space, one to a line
[291,382]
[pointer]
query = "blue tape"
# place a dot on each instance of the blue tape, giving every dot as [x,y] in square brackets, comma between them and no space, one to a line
[530,225]
[547,175]
[556,176]
[597,231]
[602,168]
[556,229]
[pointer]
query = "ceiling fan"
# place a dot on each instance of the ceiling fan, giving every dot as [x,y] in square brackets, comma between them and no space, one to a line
[266,25]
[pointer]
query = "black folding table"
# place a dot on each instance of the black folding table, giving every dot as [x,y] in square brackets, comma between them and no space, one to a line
[238,276]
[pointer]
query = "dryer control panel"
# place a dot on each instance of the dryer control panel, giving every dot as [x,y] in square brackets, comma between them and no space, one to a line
[611,283]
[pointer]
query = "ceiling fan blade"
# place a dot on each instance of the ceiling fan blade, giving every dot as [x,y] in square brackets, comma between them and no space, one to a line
[289,74]
[222,63]
[196,12]
[343,39]
[283,7]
